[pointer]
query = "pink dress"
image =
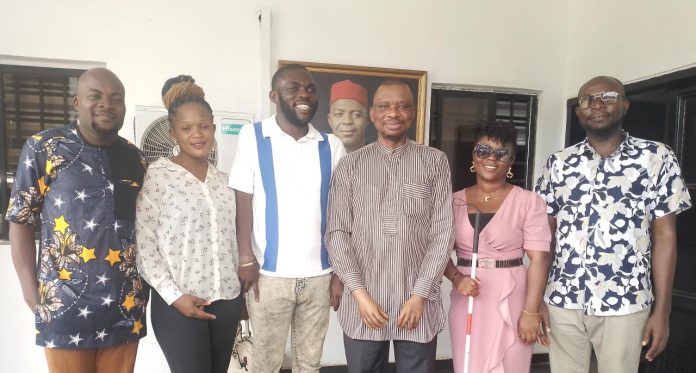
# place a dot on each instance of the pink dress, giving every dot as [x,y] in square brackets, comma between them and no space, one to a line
[519,224]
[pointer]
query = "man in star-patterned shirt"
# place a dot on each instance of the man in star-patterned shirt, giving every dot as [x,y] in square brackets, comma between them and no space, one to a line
[78,185]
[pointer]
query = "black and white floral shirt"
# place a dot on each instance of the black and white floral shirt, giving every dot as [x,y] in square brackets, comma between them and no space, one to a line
[187,241]
[604,208]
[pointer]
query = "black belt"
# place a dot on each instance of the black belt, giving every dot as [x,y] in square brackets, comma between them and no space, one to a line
[491,263]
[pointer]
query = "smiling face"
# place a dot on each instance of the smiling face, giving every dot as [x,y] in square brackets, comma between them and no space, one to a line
[392,113]
[491,169]
[100,103]
[295,97]
[600,119]
[193,129]
[348,121]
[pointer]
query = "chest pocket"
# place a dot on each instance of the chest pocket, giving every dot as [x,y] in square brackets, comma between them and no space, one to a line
[415,198]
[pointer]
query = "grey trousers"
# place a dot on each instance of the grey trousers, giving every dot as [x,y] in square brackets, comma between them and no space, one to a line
[297,304]
[372,356]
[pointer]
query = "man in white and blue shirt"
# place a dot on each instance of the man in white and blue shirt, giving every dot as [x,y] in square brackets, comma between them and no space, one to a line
[281,174]
[612,200]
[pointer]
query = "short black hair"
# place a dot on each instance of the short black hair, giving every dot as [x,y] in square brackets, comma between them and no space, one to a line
[500,131]
[177,79]
[392,81]
[281,72]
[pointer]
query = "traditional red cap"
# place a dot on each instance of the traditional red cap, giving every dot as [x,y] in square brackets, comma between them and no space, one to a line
[350,90]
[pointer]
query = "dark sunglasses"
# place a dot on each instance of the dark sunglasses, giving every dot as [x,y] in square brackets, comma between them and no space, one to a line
[484,151]
[605,98]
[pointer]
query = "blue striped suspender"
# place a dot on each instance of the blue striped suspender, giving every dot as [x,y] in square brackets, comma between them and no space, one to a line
[265,152]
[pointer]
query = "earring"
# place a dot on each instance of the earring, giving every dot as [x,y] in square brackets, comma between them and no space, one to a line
[472,169]
[509,173]
[175,150]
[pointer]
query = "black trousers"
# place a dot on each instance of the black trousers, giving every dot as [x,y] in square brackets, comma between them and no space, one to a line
[372,356]
[193,345]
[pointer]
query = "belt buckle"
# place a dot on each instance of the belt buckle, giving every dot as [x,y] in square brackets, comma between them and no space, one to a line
[486,263]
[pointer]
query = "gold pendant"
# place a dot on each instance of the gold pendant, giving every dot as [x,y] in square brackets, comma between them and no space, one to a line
[487,198]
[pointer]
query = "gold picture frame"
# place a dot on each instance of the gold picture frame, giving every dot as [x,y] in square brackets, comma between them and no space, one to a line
[326,74]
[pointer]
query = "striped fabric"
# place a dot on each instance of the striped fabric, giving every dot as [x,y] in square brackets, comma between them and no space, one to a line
[390,231]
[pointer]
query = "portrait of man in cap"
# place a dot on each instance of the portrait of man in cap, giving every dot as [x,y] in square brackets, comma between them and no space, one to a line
[347,115]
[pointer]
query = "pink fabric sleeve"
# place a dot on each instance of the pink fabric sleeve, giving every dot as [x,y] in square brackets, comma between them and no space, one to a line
[536,231]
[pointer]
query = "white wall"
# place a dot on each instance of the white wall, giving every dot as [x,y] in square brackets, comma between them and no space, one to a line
[546,45]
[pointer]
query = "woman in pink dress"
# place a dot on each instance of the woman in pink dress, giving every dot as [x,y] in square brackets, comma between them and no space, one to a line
[513,223]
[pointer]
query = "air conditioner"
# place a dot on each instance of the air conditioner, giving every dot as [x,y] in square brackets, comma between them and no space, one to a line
[151,134]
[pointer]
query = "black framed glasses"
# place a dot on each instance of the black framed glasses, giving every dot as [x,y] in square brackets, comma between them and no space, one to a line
[605,98]
[484,151]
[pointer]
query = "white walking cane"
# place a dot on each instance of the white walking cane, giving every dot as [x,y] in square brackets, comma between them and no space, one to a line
[470,316]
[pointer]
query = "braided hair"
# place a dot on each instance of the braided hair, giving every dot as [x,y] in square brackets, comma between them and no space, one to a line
[502,132]
[182,90]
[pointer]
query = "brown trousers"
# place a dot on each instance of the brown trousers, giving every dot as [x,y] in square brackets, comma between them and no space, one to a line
[115,359]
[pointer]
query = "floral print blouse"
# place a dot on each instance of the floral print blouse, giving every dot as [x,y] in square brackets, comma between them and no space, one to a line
[186,233]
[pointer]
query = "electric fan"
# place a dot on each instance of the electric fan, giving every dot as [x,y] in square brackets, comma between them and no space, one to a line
[158,143]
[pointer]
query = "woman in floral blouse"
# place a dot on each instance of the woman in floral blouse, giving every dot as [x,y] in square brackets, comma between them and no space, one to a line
[186,240]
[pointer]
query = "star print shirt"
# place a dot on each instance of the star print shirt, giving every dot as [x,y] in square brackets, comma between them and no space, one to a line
[83,199]
[186,234]
[603,208]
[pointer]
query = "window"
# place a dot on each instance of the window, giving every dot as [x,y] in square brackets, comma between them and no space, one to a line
[453,118]
[33,99]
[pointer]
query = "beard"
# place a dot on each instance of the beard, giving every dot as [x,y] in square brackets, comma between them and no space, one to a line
[292,117]
[603,133]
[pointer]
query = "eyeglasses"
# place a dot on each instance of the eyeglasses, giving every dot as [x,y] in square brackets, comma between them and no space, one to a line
[605,98]
[484,151]
[385,107]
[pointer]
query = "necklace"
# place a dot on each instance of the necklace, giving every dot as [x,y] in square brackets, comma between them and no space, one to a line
[487,197]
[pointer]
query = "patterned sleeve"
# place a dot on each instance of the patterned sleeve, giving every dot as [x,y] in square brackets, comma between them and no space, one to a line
[672,195]
[536,233]
[441,238]
[545,187]
[29,187]
[339,228]
[150,258]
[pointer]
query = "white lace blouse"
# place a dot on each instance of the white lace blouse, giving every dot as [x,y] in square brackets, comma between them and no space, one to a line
[185,232]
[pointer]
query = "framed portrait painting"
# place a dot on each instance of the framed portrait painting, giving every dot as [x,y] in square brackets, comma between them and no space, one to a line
[345,96]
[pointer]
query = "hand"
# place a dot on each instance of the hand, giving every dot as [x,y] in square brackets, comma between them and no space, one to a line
[411,312]
[192,306]
[656,333]
[545,325]
[371,313]
[528,328]
[249,276]
[466,285]
[335,292]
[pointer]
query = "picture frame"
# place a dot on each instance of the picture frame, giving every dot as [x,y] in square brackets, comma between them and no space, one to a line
[326,74]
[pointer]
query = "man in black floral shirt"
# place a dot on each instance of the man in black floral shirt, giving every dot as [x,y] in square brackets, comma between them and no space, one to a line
[612,201]
[78,185]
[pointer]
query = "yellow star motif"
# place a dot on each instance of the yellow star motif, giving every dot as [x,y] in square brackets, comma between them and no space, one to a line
[49,167]
[42,186]
[87,254]
[37,137]
[137,326]
[113,256]
[64,274]
[129,302]
[61,224]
